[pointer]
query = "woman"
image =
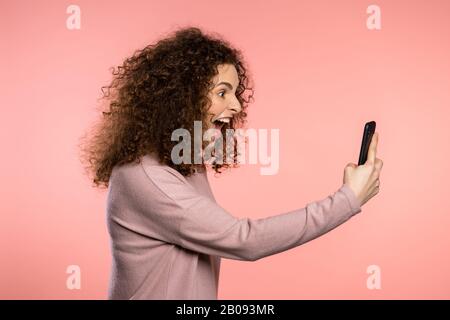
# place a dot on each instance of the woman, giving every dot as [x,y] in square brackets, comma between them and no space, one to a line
[167,232]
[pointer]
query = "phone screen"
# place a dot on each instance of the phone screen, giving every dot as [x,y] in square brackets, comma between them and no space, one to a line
[369,130]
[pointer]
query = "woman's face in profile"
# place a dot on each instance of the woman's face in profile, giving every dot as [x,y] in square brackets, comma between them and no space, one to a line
[224,103]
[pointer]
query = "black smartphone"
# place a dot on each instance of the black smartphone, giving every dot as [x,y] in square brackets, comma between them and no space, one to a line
[369,130]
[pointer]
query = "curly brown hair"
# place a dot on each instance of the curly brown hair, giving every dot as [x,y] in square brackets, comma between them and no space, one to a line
[160,88]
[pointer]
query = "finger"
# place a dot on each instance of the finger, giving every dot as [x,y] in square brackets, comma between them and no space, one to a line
[353,165]
[375,183]
[378,164]
[372,153]
[374,193]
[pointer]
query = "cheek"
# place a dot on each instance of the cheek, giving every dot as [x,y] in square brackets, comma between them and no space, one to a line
[216,106]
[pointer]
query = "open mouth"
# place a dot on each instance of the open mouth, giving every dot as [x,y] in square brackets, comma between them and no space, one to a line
[219,123]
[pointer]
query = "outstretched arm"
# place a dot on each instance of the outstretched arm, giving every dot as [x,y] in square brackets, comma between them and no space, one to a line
[170,209]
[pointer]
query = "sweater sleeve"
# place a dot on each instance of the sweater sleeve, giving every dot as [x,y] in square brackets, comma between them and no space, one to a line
[170,209]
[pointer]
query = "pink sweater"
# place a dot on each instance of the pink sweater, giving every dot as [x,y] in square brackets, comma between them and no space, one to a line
[168,234]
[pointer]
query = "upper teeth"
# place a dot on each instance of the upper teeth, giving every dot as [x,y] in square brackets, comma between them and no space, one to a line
[226,120]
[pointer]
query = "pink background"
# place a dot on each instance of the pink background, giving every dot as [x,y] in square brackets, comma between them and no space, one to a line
[319,75]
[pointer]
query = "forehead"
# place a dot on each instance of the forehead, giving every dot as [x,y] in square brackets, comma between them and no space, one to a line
[227,72]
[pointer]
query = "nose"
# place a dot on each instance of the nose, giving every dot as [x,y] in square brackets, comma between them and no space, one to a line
[236,107]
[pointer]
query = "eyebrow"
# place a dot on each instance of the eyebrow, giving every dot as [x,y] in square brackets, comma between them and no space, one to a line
[225,83]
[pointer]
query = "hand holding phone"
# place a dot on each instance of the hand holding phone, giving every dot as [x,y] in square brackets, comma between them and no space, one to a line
[369,130]
[364,179]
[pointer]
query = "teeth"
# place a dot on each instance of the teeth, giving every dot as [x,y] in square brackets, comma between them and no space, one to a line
[225,120]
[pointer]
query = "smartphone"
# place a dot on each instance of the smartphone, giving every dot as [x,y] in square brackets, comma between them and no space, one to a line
[369,130]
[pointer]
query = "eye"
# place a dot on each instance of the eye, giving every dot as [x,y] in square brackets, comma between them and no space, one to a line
[222,92]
